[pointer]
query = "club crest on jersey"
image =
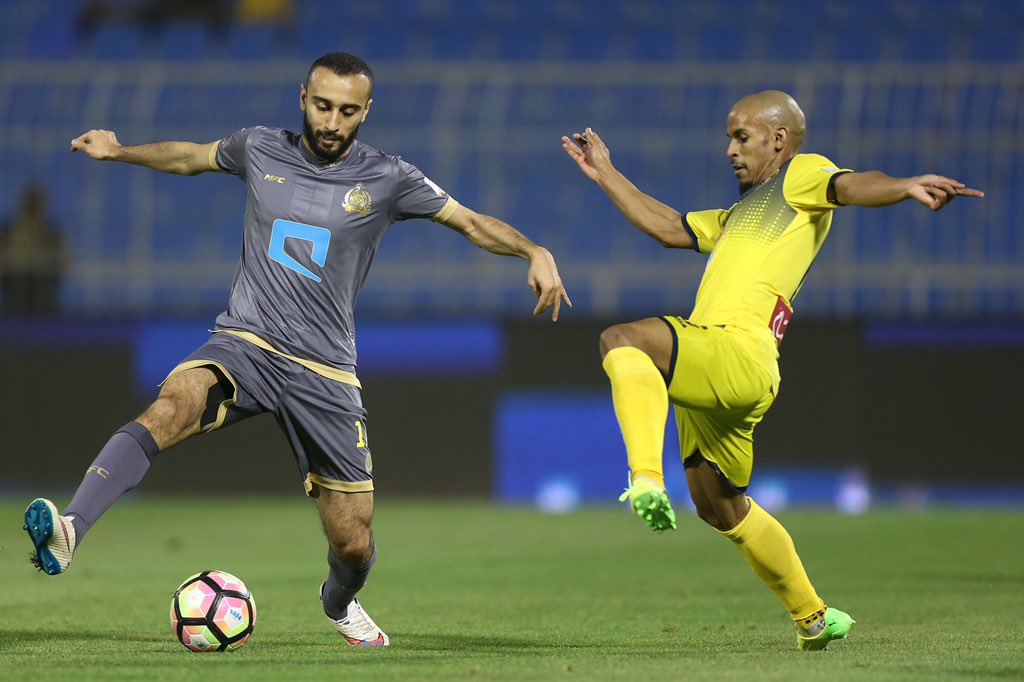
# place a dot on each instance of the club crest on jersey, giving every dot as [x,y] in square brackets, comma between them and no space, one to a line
[358,200]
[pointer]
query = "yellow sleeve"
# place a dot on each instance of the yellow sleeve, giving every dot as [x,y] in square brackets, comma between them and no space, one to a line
[807,182]
[705,227]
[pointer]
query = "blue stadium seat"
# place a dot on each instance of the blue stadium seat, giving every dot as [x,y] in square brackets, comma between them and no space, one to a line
[596,43]
[184,41]
[722,41]
[1001,40]
[115,41]
[661,43]
[23,104]
[451,40]
[51,37]
[256,42]
[387,41]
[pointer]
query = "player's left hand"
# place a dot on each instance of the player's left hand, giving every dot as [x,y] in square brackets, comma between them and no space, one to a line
[589,152]
[935,191]
[544,280]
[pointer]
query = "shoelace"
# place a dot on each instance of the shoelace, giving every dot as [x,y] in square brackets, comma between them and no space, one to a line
[638,487]
[357,618]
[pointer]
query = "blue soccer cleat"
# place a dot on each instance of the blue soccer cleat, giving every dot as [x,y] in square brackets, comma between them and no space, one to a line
[52,535]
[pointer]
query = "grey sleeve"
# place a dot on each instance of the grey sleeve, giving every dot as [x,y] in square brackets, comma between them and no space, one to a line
[415,195]
[231,155]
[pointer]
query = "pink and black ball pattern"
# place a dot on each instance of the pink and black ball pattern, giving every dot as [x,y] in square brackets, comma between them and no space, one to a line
[213,611]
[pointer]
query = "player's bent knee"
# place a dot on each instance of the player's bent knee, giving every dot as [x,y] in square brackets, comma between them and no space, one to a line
[354,549]
[708,516]
[720,516]
[616,336]
[176,413]
[170,419]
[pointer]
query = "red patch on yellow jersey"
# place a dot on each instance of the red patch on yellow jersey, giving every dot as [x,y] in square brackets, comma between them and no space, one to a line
[779,321]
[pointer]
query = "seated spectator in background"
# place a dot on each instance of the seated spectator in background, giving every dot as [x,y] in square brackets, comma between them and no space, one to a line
[32,259]
[264,11]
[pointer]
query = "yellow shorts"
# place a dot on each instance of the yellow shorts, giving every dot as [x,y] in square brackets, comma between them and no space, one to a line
[720,394]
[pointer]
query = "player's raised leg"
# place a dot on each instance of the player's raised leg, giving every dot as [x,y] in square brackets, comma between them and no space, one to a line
[636,358]
[120,466]
[770,552]
[346,518]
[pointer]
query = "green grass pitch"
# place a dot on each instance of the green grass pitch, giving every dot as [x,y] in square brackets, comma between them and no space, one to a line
[473,591]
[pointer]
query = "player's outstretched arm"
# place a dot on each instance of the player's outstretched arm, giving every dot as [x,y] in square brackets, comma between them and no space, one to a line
[655,219]
[182,158]
[493,235]
[874,188]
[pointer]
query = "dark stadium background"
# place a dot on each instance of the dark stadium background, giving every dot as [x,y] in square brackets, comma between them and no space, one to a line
[901,369]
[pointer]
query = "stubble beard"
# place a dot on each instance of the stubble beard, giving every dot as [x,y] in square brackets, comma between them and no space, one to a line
[321,152]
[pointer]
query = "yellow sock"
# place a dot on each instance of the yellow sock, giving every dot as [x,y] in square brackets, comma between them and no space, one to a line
[769,550]
[641,406]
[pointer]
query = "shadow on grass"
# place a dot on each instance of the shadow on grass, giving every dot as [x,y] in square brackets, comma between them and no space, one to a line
[441,643]
[413,646]
[10,639]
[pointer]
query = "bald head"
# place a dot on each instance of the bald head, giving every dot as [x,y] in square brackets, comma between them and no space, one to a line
[765,131]
[775,109]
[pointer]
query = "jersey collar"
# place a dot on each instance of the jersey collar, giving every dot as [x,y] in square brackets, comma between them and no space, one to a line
[313,159]
[780,169]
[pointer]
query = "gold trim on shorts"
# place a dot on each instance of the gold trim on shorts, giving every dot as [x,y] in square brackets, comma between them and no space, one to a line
[321,369]
[222,409]
[340,486]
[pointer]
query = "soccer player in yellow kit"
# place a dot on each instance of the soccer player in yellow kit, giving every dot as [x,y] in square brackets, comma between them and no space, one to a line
[719,366]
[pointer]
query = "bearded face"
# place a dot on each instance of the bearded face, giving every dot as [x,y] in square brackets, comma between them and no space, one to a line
[327,145]
[333,108]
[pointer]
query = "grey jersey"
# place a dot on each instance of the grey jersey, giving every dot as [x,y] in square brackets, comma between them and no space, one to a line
[311,232]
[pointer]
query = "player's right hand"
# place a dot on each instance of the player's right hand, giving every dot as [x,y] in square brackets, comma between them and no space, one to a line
[99,144]
[589,152]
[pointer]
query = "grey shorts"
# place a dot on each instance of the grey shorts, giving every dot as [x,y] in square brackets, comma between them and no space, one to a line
[323,419]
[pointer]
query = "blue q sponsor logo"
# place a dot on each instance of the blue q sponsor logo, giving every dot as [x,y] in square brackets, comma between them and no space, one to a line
[319,237]
[235,614]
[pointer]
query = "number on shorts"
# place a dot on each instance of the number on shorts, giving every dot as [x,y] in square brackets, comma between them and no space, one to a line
[361,443]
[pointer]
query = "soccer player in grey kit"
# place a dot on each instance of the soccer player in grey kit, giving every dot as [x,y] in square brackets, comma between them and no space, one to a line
[318,204]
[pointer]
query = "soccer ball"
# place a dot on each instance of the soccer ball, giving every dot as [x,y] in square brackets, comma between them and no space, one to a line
[212,611]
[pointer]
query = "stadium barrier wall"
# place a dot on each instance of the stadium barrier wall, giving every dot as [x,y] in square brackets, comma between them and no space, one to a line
[907,404]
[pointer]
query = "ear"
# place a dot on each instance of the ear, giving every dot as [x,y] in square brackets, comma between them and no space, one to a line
[302,97]
[366,111]
[781,138]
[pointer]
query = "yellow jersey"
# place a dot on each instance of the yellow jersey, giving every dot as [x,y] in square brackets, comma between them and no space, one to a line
[761,248]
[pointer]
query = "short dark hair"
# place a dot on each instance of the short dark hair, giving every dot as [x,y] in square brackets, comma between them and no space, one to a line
[342,64]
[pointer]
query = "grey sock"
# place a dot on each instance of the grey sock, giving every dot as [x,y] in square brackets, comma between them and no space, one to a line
[342,584]
[118,468]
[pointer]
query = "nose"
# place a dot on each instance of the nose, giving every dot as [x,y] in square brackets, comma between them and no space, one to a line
[732,149]
[333,121]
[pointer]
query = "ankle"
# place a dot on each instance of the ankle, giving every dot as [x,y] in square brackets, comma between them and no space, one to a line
[812,625]
[643,481]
